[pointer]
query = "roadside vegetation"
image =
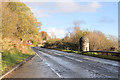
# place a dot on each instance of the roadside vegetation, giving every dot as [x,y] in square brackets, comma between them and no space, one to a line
[12,58]
[18,26]
[111,56]
[98,41]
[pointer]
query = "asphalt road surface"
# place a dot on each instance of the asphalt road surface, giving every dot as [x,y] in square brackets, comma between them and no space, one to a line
[71,65]
[67,65]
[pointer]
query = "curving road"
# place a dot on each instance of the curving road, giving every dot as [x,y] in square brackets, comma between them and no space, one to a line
[70,65]
[50,63]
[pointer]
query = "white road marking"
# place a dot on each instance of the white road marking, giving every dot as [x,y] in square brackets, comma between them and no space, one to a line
[111,63]
[56,73]
[69,57]
[74,59]
[57,54]
[50,67]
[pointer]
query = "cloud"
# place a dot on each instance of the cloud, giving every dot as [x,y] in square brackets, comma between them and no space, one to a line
[73,7]
[40,13]
[66,0]
[53,1]
[79,22]
[58,32]
[47,9]
[106,20]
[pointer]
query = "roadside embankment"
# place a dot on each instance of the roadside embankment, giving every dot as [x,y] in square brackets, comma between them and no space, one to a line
[13,60]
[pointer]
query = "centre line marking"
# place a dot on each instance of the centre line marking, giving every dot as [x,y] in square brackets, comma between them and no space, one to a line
[50,66]
[74,59]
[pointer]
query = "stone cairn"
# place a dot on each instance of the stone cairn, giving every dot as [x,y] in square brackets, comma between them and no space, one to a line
[84,43]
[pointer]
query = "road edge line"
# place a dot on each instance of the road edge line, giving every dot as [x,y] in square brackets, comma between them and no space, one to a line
[50,67]
[16,67]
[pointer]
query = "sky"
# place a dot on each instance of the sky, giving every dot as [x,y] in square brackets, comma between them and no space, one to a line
[58,17]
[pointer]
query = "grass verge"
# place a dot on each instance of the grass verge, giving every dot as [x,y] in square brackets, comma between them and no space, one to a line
[12,58]
[93,54]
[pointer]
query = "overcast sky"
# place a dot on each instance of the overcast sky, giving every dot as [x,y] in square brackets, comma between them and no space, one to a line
[57,17]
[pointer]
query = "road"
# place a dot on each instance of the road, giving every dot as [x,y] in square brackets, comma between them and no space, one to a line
[35,68]
[71,65]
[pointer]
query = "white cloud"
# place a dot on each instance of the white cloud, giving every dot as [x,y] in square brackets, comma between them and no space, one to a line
[67,0]
[58,32]
[49,9]
[106,20]
[73,7]
[51,1]
[40,13]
